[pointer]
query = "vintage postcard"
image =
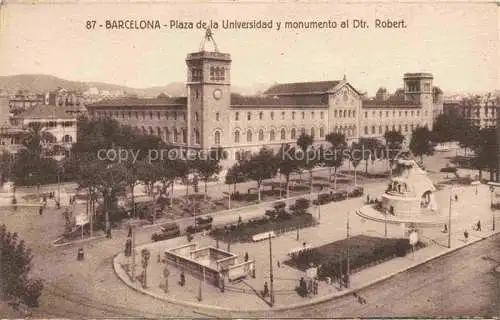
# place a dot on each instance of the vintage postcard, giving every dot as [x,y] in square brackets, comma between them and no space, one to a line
[250,159]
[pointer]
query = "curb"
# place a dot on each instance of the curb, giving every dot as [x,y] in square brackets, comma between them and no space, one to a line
[298,305]
[74,242]
[382,220]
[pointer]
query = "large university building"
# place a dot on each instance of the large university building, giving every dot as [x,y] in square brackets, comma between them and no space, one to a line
[211,115]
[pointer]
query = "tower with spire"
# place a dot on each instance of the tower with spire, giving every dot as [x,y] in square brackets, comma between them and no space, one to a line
[208,94]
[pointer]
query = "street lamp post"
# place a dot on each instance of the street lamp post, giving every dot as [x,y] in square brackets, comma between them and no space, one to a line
[492,190]
[271,278]
[348,271]
[385,223]
[449,220]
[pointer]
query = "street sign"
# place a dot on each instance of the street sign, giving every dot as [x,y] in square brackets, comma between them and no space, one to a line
[81,219]
[312,272]
[413,238]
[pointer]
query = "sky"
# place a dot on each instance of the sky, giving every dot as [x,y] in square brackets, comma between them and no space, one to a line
[457,42]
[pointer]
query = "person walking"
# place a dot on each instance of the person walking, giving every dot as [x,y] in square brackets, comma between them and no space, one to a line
[246,256]
[456,198]
[466,235]
[445,230]
[40,210]
[479,225]
[265,293]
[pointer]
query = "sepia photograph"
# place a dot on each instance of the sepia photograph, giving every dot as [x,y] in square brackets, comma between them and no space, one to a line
[249,160]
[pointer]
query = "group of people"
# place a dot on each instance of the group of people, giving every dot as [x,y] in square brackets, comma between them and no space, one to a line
[309,286]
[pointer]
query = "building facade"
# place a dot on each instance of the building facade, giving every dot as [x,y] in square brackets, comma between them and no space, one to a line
[211,115]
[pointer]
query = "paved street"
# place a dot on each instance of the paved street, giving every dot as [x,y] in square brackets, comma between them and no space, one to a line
[462,283]
[76,289]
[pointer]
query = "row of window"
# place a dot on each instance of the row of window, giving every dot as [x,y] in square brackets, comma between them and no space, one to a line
[344,113]
[272,134]
[282,115]
[174,135]
[382,130]
[216,73]
[53,124]
[143,115]
[412,113]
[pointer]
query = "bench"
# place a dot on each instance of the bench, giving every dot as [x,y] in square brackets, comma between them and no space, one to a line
[263,236]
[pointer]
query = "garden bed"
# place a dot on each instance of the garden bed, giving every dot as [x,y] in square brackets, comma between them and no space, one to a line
[243,232]
[364,252]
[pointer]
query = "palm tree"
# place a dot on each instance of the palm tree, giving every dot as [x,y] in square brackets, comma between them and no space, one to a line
[36,136]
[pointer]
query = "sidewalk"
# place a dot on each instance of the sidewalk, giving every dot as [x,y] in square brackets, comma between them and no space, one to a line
[242,296]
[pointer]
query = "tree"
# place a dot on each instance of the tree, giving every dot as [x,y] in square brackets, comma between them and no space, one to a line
[15,265]
[370,148]
[260,166]
[394,143]
[150,172]
[287,164]
[208,164]
[308,157]
[421,143]
[355,157]
[487,152]
[334,156]
[233,175]
[35,138]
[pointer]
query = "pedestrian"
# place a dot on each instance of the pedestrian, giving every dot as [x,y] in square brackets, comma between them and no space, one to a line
[479,225]
[183,279]
[466,235]
[40,210]
[246,256]
[456,197]
[108,233]
[445,228]
[266,290]
[279,264]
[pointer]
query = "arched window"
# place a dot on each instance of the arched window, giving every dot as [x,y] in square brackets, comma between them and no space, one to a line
[236,136]
[249,136]
[293,134]
[321,132]
[167,135]
[212,73]
[312,132]
[303,131]
[144,116]
[184,135]
[283,134]
[151,115]
[261,135]
[217,137]
[151,131]
[272,135]
[196,117]
[176,135]
[144,132]
[158,132]
[196,136]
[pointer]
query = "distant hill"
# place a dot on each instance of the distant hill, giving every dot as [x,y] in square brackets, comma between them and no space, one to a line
[41,83]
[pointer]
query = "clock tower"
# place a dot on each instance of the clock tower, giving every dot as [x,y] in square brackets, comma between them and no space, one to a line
[208,96]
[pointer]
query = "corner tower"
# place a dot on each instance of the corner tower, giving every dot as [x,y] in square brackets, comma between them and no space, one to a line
[208,95]
[418,90]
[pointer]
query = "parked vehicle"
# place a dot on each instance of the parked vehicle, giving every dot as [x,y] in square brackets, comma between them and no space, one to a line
[200,225]
[356,192]
[323,198]
[167,231]
[338,195]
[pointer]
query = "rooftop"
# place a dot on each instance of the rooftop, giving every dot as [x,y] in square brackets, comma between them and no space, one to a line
[238,100]
[141,102]
[302,87]
[50,112]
